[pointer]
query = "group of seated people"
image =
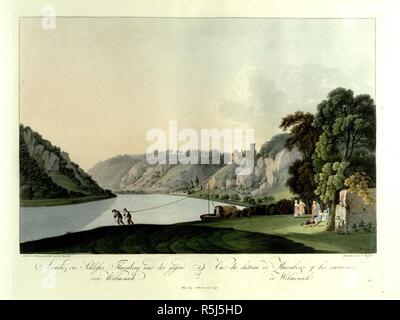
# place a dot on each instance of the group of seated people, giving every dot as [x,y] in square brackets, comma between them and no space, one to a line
[317,215]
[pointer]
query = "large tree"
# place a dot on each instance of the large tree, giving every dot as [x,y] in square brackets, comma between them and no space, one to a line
[303,136]
[346,144]
[301,180]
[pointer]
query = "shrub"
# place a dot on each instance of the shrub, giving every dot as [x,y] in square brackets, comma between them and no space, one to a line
[234,196]
[269,199]
[245,212]
[257,210]
[216,196]
[225,196]
[74,194]
[26,192]
[283,206]
[40,193]
[272,209]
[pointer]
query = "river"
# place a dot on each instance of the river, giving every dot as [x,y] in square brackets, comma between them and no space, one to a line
[43,222]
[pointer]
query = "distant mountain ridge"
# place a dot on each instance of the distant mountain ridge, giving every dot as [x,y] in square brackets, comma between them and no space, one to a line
[132,173]
[47,172]
[110,172]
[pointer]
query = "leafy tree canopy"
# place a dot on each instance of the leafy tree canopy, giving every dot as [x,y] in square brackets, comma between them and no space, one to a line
[271,148]
[359,183]
[303,134]
[346,123]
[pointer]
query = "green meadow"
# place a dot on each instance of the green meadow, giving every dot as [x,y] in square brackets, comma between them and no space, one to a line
[257,234]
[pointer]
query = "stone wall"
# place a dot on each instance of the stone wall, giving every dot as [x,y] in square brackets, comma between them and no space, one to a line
[353,215]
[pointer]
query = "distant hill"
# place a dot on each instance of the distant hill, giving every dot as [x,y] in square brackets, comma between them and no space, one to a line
[110,172]
[46,172]
[132,173]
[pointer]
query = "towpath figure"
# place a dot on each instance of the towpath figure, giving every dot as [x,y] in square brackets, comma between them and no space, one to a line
[127,216]
[118,217]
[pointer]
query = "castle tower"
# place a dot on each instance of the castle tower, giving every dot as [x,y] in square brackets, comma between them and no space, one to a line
[253,149]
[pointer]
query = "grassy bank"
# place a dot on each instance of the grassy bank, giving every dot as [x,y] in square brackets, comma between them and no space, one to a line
[178,238]
[290,228]
[257,234]
[61,201]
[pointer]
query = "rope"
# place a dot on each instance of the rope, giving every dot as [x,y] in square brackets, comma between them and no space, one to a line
[160,206]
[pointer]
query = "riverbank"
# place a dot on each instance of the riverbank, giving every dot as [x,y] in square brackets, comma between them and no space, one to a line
[225,196]
[234,198]
[257,234]
[195,195]
[291,228]
[61,201]
[225,201]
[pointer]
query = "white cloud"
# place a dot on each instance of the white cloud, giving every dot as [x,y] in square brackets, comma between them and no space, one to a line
[261,101]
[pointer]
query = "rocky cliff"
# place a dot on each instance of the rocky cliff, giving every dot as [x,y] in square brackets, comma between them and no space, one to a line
[48,172]
[133,173]
[268,173]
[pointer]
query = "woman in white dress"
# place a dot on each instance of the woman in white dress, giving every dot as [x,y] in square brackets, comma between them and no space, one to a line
[296,208]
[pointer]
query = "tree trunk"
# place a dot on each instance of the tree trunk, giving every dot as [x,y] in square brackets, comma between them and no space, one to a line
[332,215]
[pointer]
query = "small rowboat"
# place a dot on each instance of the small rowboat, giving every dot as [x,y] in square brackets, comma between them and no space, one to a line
[205,217]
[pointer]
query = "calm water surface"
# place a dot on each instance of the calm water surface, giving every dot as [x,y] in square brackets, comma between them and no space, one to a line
[43,222]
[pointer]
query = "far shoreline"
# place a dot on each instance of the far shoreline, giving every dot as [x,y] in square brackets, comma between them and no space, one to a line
[34,203]
[192,195]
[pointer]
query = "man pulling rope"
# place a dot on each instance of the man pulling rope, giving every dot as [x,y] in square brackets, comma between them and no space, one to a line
[128,216]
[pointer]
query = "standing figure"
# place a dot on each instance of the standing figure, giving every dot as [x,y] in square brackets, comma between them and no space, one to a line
[296,208]
[314,209]
[118,217]
[128,216]
[302,208]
